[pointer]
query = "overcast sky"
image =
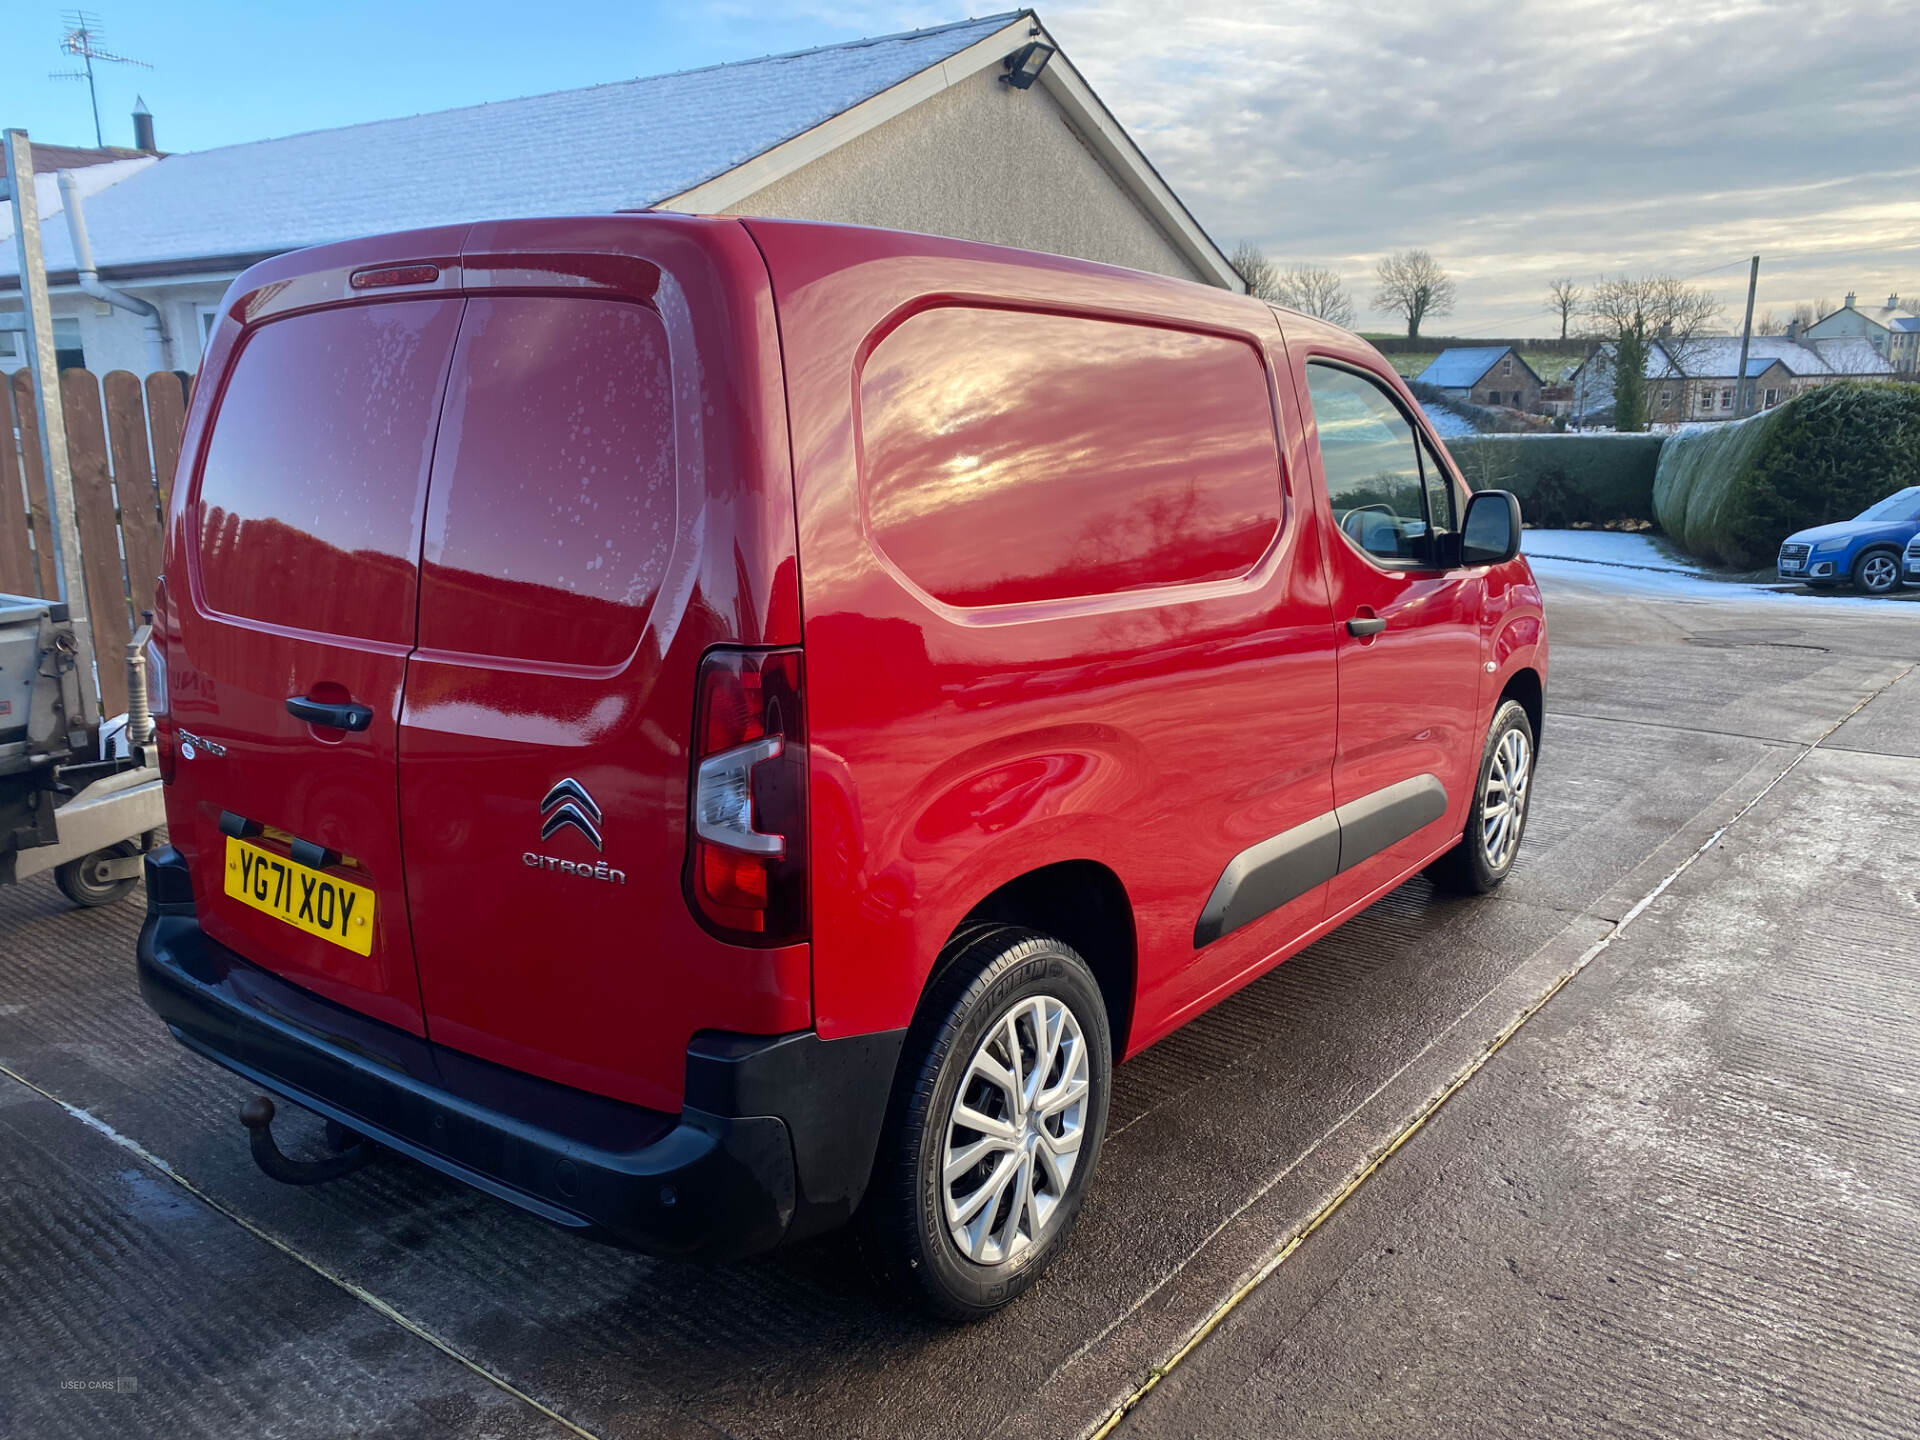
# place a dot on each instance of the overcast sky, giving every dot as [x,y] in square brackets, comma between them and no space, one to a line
[1517,141]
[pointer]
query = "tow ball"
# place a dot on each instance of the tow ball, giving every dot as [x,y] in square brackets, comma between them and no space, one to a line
[351,1151]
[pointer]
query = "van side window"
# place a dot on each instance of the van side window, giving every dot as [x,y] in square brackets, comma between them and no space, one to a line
[311,492]
[1010,456]
[551,514]
[1372,466]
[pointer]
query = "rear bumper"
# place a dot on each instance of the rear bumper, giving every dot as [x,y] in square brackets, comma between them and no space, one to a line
[776,1141]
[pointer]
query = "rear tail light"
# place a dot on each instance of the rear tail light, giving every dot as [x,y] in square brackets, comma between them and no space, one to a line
[159,698]
[747,836]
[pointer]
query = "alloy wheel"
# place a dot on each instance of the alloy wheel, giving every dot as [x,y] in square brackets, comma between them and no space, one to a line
[1013,1137]
[1879,573]
[1503,802]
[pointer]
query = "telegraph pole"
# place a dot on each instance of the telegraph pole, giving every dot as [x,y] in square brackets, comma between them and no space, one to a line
[1743,388]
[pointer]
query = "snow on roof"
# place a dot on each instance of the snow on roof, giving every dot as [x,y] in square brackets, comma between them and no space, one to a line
[1461,367]
[624,145]
[1717,357]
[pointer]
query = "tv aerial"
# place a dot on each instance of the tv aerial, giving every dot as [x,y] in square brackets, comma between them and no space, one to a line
[84,39]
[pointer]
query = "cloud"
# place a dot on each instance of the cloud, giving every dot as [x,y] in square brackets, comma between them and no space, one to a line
[1518,141]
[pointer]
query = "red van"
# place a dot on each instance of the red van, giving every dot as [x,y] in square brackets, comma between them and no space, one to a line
[708,729]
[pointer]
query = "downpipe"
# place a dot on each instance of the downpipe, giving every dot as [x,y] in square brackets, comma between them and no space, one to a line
[158,340]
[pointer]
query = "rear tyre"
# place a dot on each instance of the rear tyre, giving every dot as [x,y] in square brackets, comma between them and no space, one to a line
[1498,816]
[995,1124]
[1877,572]
[77,884]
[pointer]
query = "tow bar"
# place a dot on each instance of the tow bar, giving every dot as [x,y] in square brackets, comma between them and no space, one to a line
[351,1151]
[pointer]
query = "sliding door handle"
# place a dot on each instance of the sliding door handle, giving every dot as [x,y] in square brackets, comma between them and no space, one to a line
[346,716]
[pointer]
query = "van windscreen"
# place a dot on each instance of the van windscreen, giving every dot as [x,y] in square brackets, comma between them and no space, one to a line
[311,493]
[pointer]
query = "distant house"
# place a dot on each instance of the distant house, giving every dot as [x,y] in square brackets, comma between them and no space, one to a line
[1698,379]
[980,130]
[1484,375]
[1893,329]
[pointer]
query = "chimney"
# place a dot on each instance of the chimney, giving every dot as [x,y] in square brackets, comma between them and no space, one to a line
[1793,329]
[1850,300]
[1893,302]
[142,126]
[1666,329]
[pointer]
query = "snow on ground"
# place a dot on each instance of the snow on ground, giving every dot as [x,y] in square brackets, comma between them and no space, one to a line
[1607,547]
[1446,424]
[1632,564]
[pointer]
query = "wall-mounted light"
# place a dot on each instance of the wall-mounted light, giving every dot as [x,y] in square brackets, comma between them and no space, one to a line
[1026,63]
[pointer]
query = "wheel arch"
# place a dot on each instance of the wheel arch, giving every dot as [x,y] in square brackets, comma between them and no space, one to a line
[1526,686]
[1081,903]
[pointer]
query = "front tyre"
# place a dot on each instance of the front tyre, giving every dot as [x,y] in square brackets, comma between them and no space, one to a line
[1877,572]
[996,1123]
[1498,816]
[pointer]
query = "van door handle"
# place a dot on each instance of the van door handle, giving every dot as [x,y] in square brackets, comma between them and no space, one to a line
[1362,625]
[347,716]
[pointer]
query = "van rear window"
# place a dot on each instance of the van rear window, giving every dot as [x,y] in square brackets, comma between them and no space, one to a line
[315,475]
[1009,456]
[553,500]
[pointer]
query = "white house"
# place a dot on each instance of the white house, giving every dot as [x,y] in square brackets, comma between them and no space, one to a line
[1892,329]
[1699,378]
[980,130]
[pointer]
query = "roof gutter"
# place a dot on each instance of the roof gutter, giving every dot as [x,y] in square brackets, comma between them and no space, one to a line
[158,340]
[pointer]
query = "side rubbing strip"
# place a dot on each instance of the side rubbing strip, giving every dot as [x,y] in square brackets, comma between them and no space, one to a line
[1266,876]
[1386,817]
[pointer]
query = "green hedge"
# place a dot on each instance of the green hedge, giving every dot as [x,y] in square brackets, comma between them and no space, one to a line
[1731,493]
[1565,479]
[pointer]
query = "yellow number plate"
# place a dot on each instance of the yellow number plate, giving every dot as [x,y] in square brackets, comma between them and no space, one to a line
[307,899]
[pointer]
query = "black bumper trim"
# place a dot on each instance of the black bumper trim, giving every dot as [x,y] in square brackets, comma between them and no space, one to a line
[720,1179]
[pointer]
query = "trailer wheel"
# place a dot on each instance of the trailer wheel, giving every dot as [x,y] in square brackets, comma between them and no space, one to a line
[76,882]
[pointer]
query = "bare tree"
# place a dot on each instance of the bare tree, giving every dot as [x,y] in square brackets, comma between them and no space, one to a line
[1768,323]
[1635,312]
[1563,299]
[1256,269]
[1314,290]
[1413,285]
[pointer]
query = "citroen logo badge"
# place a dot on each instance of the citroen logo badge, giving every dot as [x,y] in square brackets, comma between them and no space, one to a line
[569,804]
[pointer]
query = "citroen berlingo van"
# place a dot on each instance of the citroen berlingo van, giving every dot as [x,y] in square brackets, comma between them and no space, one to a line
[711,729]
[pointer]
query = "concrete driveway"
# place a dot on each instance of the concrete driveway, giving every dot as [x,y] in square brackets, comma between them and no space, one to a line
[1680,1194]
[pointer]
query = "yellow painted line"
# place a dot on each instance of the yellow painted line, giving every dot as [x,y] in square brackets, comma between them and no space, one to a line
[360,1293]
[1446,1092]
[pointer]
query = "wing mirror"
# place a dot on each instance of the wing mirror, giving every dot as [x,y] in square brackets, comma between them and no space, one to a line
[1490,534]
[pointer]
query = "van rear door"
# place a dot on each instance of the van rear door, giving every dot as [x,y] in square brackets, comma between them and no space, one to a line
[301,536]
[610,499]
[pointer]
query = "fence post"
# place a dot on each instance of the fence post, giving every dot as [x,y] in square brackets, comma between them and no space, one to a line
[93,509]
[31,456]
[167,419]
[17,573]
[133,484]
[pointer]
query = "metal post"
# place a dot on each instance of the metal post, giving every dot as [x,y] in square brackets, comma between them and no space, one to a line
[69,577]
[1742,389]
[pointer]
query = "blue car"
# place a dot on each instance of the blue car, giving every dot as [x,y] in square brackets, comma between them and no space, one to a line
[1866,549]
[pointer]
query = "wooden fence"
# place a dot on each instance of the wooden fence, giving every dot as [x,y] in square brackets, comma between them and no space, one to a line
[123,440]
